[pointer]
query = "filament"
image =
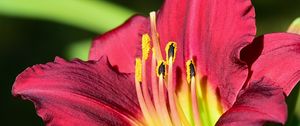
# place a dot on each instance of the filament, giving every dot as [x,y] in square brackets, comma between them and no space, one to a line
[171,91]
[143,104]
[147,98]
[162,101]
[154,84]
[195,102]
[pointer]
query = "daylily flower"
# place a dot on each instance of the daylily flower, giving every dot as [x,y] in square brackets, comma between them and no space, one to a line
[196,63]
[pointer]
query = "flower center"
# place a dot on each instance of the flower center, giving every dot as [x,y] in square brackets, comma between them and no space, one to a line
[165,108]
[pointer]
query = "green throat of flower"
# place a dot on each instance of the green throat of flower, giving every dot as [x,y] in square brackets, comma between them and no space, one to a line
[194,105]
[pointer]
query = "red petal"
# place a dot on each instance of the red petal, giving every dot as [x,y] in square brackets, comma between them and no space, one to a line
[262,102]
[120,44]
[212,33]
[277,57]
[79,93]
[171,26]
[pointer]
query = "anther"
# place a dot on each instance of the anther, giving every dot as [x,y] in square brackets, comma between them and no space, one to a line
[162,98]
[138,69]
[145,46]
[190,70]
[161,68]
[171,49]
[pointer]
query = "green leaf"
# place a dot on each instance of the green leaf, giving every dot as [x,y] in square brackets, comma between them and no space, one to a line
[295,26]
[79,50]
[92,15]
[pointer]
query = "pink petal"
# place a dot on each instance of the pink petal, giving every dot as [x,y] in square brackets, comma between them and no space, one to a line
[212,33]
[260,103]
[277,57]
[79,93]
[120,44]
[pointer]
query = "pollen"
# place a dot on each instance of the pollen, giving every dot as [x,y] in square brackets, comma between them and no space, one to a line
[171,49]
[138,69]
[145,46]
[190,70]
[161,68]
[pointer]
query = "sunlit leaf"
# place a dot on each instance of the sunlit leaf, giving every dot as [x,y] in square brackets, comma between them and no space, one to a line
[295,26]
[79,50]
[92,15]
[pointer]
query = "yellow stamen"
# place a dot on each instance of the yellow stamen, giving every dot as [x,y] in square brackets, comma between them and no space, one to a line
[171,50]
[146,94]
[191,79]
[188,70]
[196,114]
[171,91]
[145,46]
[187,103]
[162,101]
[142,103]
[165,118]
[161,68]
[138,69]
[138,80]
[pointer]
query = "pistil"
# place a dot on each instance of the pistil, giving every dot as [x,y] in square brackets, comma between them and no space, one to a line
[154,35]
[155,86]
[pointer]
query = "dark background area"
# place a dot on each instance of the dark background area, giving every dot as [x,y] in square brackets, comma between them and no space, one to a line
[25,42]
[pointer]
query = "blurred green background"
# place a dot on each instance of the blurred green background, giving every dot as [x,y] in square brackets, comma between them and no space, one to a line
[35,31]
